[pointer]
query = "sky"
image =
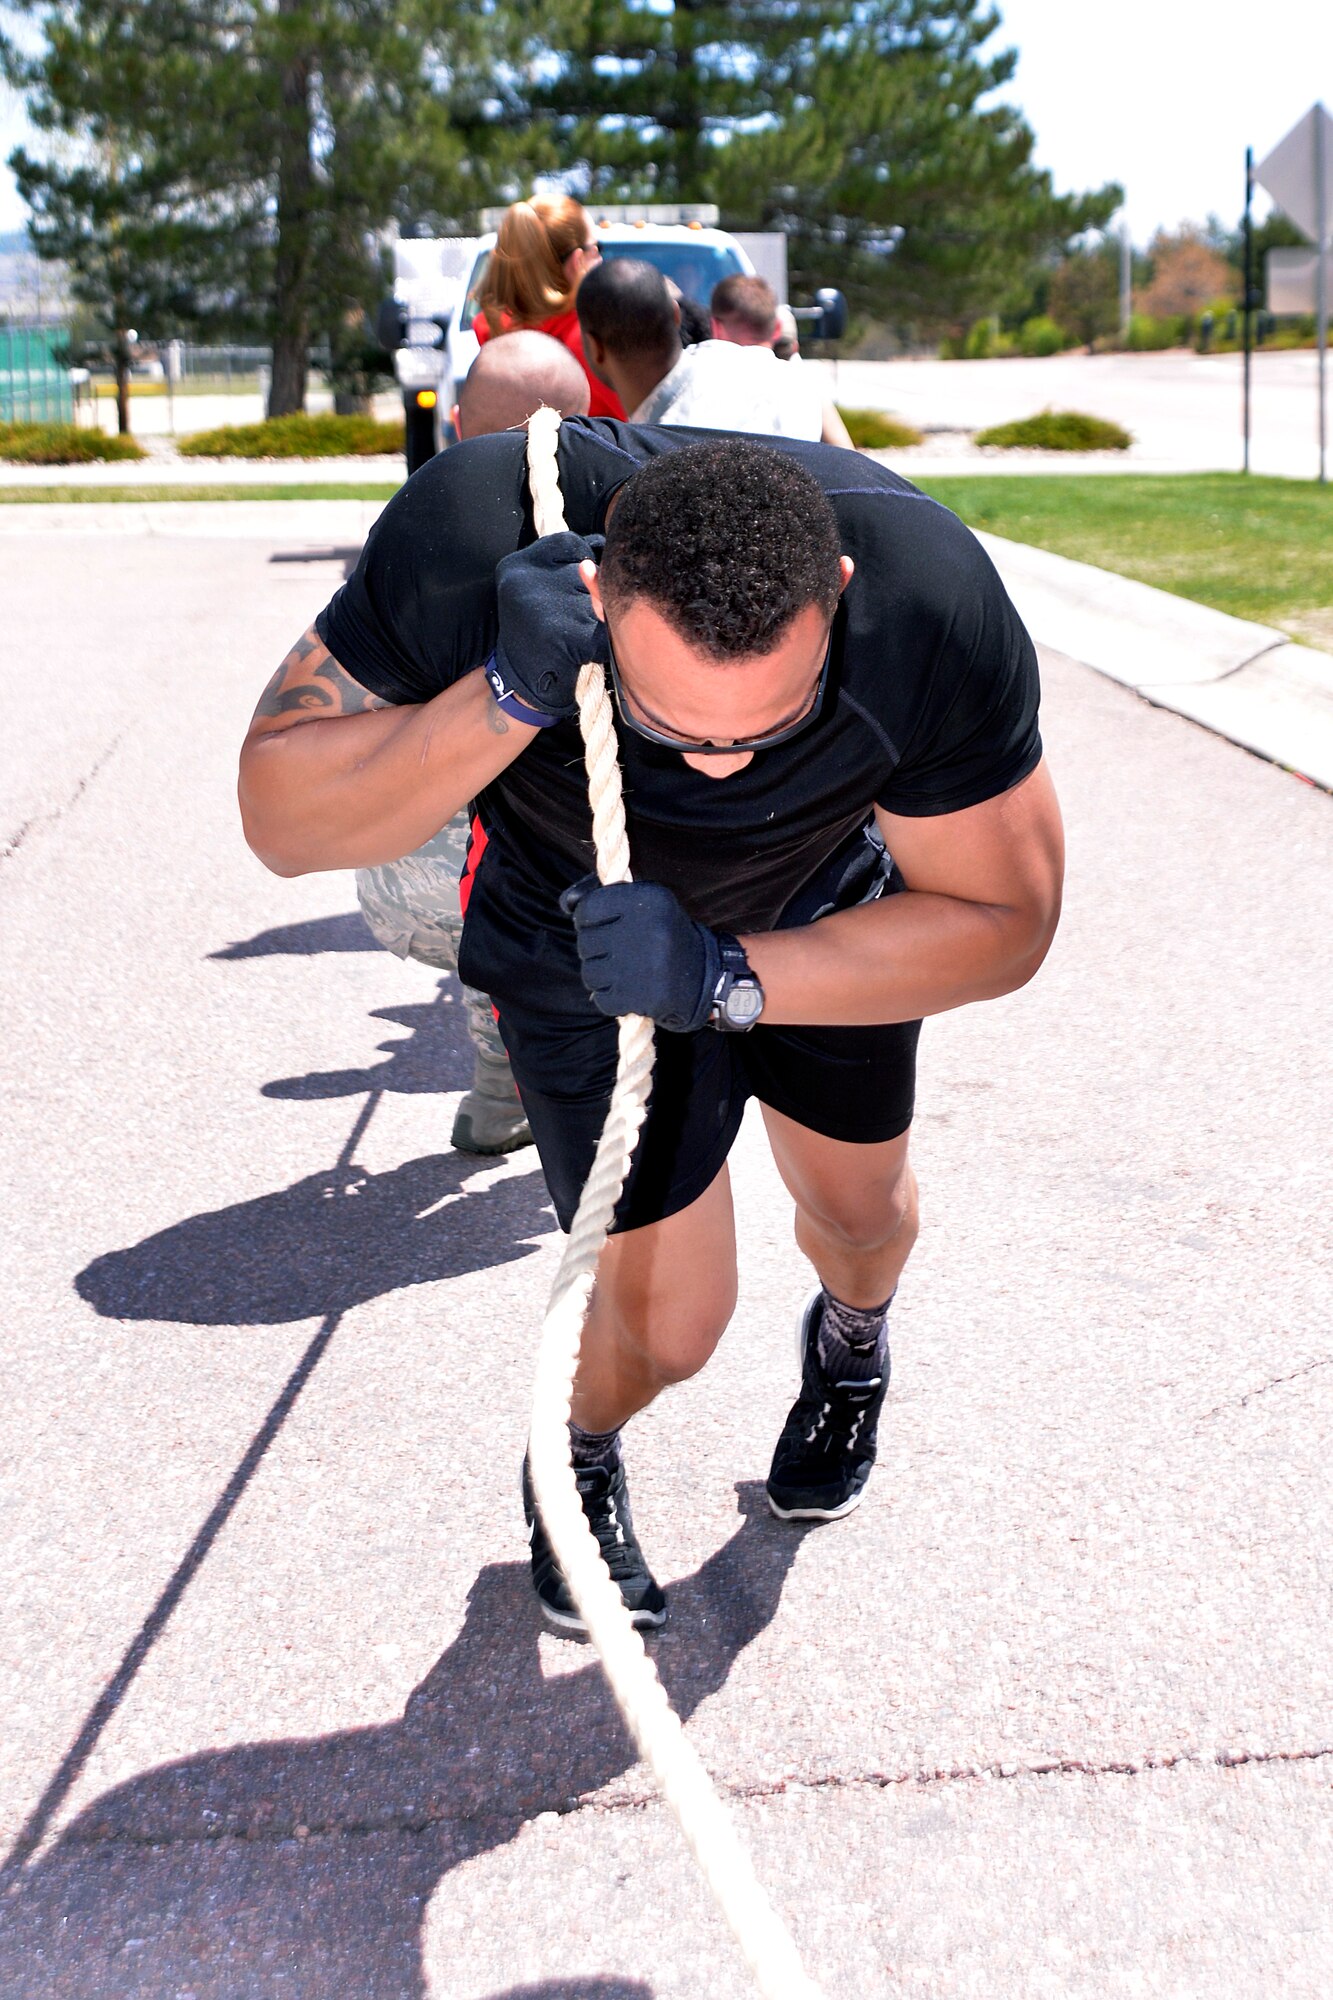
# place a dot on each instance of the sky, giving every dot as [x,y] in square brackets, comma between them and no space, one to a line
[1160,95]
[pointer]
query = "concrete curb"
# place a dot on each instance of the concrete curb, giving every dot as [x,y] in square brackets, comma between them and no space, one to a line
[213,520]
[171,471]
[1246,682]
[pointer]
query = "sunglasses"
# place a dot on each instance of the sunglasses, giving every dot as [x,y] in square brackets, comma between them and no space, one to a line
[691,745]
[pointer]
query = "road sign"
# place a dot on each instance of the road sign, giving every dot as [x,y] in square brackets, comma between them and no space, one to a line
[1291,280]
[1298,173]
[1290,172]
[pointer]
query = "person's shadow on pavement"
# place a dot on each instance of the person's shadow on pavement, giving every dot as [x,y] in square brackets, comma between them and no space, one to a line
[303,1870]
[436,1055]
[348,931]
[329,1242]
[340,1237]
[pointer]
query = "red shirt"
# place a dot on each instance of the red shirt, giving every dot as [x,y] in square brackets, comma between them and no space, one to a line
[565,328]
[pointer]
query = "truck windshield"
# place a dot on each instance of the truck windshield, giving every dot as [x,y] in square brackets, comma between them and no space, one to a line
[694,267]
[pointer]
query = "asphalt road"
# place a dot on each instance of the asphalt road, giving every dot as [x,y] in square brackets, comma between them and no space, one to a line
[1049,1716]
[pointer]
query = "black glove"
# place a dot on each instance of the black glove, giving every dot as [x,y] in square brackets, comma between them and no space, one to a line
[641,954]
[548,628]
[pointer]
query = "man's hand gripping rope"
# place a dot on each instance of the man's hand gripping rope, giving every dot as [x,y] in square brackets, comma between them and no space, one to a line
[756,1926]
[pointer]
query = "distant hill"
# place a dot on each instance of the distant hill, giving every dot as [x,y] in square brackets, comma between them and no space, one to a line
[28,287]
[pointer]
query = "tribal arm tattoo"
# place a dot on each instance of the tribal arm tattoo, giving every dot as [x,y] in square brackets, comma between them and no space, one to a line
[311,682]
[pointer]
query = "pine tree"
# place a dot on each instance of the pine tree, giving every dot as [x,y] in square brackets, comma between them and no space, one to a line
[647,99]
[866,131]
[234,158]
[912,182]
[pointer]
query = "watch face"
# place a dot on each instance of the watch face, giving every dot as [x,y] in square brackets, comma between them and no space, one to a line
[744,1003]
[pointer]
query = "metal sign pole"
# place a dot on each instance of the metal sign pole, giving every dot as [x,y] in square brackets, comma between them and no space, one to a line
[1126,279]
[1248,300]
[1321,286]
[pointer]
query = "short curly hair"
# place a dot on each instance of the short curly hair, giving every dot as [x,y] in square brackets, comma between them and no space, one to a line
[728,540]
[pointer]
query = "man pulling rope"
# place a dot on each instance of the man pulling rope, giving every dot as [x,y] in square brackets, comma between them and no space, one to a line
[812,664]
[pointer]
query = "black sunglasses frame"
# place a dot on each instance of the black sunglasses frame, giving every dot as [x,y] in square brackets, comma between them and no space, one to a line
[688,746]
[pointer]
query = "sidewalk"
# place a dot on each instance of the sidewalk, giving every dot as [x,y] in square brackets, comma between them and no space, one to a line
[1247,682]
[169,469]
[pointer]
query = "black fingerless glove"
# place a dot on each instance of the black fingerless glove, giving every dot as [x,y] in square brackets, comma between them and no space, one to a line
[548,628]
[641,954]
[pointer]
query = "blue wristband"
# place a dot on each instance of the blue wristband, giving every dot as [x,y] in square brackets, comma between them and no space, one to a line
[514,705]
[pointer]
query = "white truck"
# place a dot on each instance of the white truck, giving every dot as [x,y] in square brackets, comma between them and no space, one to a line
[427,325]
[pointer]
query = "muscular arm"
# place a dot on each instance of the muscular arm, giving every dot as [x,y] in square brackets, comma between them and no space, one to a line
[333,777]
[978,916]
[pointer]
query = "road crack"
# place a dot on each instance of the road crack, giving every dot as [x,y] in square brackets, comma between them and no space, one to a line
[11,845]
[925,1779]
[1278,1381]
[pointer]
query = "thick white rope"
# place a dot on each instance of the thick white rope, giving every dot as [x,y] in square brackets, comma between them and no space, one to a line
[759,1931]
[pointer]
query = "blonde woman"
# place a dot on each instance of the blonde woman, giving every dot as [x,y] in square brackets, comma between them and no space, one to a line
[542,252]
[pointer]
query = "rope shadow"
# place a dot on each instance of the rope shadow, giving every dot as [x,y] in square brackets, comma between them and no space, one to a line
[304,1869]
[579,1989]
[348,557]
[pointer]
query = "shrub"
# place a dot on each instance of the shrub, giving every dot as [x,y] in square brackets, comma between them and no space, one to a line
[985,342]
[980,335]
[871,430]
[1041,336]
[297,436]
[1148,335]
[1058,430]
[62,444]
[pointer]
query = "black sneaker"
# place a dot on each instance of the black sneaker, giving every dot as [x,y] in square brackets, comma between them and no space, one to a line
[605,1500]
[823,1458]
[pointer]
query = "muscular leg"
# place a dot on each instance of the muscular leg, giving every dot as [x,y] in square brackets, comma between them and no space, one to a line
[663,1297]
[856,1207]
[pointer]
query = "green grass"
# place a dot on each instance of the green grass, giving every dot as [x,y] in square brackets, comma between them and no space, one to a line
[324,489]
[1258,548]
[875,430]
[296,436]
[61,444]
[1058,430]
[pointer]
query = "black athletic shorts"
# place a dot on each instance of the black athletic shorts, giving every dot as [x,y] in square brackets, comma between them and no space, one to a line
[854,1084]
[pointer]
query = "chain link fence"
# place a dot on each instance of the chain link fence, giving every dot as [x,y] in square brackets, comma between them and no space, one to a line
[34,377]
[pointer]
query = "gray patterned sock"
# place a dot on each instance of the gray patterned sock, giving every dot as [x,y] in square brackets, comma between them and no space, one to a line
[588,1448]
[853,1343]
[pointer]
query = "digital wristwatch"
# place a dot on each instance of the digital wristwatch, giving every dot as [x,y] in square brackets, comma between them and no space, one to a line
[738,998]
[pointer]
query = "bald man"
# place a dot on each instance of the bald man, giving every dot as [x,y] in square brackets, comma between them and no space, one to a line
[412,905]
[514,375]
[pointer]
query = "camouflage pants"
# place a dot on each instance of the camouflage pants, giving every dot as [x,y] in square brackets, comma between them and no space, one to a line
[412,909]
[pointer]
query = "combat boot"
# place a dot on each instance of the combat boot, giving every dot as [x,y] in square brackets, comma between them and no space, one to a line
[490,1116]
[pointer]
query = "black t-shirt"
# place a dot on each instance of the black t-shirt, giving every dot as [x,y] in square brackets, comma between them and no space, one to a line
[931,704]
